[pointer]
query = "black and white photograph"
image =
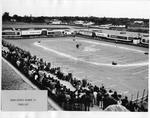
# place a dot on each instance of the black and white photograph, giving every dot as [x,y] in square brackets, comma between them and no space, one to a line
[87,55]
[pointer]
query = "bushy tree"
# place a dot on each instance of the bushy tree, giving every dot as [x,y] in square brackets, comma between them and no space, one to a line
[6,17]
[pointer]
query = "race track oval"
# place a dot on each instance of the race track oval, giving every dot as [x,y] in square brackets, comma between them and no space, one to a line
[62,54]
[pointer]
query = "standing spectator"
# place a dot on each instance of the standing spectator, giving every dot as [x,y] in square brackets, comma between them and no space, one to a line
[115,96]
[95,97]
[91,98]
[130,106]
[99,99]
[125,101]
[87,101]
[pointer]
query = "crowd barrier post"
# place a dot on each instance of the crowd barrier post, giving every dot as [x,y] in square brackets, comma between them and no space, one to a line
[131,97]
[143,95]
[137,96]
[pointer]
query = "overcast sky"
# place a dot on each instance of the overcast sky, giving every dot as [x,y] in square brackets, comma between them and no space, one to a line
[99,8]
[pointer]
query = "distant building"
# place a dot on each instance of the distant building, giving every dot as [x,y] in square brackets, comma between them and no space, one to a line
[64,23]
[138,22]
[118,27]
[95,26]
[106,26]
[79,22]
[88,23]
[47,21]
[55,21]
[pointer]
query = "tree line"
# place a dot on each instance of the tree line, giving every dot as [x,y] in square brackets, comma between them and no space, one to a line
[70,19]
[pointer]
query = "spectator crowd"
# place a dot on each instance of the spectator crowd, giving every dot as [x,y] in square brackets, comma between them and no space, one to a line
[46,77]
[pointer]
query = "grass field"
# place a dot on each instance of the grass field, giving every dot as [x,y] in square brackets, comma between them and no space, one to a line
[92,61]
